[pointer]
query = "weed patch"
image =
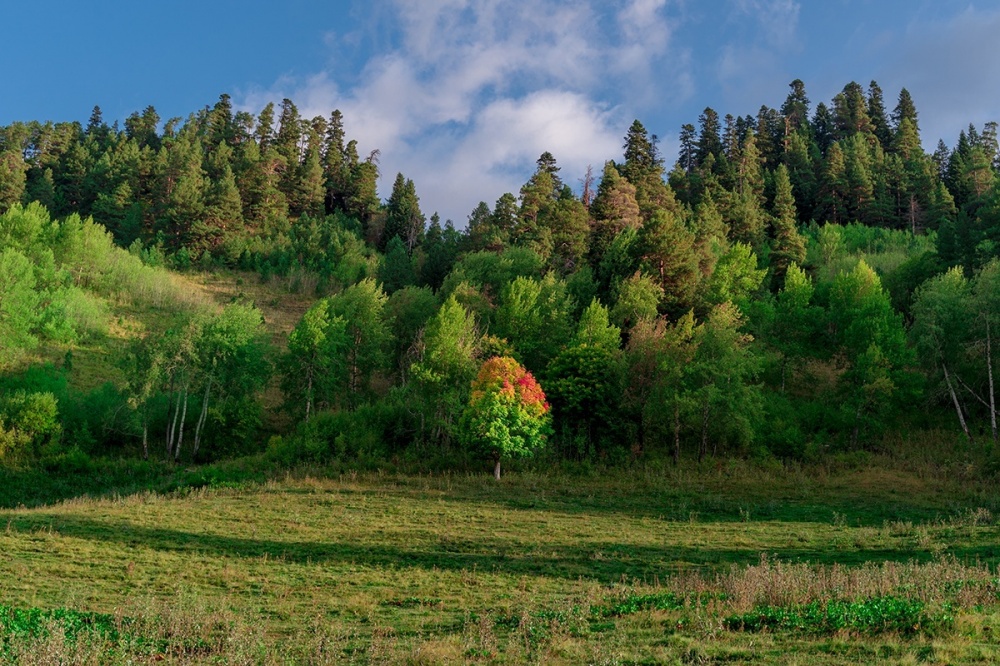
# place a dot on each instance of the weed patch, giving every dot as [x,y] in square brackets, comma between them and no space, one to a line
[880,615]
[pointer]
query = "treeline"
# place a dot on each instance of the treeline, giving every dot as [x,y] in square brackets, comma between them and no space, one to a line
[766,296]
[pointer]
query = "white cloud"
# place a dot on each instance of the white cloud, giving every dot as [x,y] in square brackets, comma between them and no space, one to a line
[507,135]
[470,92]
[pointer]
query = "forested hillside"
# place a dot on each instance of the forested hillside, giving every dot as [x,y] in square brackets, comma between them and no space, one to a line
[802,281]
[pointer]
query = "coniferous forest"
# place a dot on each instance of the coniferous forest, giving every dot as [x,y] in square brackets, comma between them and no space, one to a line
[741,407]
[801,281]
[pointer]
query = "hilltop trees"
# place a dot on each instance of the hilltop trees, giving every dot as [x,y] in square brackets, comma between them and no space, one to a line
[770,279]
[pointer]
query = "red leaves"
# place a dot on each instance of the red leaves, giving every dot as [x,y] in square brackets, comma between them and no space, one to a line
[506,376]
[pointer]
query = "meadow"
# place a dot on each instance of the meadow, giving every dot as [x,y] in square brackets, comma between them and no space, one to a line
[882,557]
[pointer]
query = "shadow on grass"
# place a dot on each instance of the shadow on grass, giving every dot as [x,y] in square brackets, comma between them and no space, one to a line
[33,488]
[606,562]
[705,500]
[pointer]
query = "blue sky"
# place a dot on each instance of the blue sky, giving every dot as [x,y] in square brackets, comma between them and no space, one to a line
[463,95]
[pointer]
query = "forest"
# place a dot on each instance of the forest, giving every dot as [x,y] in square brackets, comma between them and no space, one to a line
[802,282]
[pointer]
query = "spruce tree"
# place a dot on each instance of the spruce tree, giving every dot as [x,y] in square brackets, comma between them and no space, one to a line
[787,246]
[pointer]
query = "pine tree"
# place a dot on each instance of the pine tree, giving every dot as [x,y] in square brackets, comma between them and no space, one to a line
[832,205]
[666,247]
[615,208]
[905,109]
[796,108]
[876,112]
[403,217]
[850,112]
[709,142]
[788,246]
[800,159]
[823,127]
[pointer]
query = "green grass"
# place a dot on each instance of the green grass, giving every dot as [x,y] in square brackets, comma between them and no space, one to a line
[646,566]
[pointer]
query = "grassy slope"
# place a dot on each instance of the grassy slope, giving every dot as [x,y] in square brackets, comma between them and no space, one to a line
[446,569]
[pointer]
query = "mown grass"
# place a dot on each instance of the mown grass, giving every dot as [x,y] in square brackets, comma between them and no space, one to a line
[726,562]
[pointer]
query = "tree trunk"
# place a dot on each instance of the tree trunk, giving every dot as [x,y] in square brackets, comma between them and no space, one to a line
[989,372]
[496,470]
[180,432]
[958,406]
[145,438]
[703,449]
[857,426]
[677,434]
[309,395]
[172,430]
[201,418]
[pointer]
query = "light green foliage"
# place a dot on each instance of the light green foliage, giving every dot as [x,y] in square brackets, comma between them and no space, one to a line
[491,272]
[19,303]
[596,330]
[450,343]
[941,317]
[797,321]
[29,421]
[722,379]
[638,299]
[446,367]
[535,316]
[736,277]
[314,364]
[362,306]
[872,344]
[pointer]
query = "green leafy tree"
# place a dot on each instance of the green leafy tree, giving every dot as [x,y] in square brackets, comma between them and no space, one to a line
[507,415]
[535,317]
[446,367]
[313,368]
[667,253]
[872,346]
[638,300]
[19,306]
[362,306]
[721,379]
[232,358]
[940,331]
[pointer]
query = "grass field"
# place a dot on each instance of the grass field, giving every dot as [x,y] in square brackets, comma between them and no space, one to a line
[730,562]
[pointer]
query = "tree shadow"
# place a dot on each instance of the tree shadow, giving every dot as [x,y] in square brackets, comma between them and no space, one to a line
[605,562]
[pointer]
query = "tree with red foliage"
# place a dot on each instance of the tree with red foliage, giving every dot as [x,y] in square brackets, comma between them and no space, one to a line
[507,414]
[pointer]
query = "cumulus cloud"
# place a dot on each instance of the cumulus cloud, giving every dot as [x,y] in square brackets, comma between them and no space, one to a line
[471,92]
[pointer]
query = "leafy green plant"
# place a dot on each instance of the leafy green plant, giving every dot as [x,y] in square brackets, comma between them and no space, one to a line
[877,615]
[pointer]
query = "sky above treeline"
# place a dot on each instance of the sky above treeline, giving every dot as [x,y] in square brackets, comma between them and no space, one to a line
[463,95]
